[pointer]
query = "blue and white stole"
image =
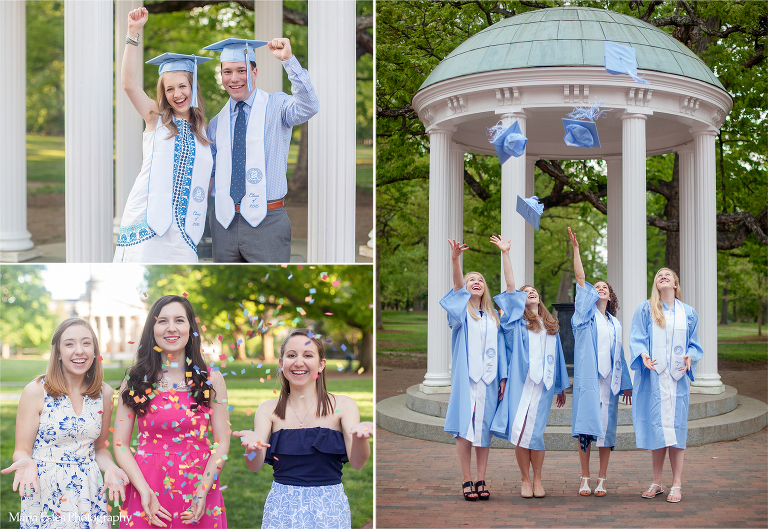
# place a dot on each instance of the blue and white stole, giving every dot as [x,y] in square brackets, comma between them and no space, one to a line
[541,356]
[604,350]
[481,353]
[671,355]
[162,180]
[253,207]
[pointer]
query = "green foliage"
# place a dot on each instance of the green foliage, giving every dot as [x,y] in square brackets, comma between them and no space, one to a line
[26,320]
[45,67]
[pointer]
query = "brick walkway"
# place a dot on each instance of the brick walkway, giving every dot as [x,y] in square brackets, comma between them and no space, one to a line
[418,485]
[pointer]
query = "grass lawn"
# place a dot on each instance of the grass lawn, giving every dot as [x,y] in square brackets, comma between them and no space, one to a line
[410,334]
[743,352]
[244,498]
[45,163]
[741,331]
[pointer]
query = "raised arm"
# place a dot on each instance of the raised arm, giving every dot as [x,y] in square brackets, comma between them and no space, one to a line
[456,250]
[509,276]
[578,268]
[27,424]
[143,104]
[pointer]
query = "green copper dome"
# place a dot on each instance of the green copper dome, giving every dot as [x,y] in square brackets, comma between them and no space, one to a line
[568,36]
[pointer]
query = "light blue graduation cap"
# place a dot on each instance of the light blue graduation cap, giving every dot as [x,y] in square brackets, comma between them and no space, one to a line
[508,141]
[621,60]
[178,62]
[237,50]
[580,133]
[530,209]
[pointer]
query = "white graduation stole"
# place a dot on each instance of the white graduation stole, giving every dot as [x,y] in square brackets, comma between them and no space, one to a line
[253,206]
[161,182]
[675,350]
[481,353]
[603,345]
[617,365]
[541,356]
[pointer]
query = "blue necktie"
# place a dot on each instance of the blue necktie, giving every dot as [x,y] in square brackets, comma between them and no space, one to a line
[237,183]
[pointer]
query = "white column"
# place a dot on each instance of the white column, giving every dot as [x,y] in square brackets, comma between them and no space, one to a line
[456,193]
[705,234]
[128,123]
[513,183]
[268,24]
[530,190]
[442,206]
[15,241]
[615,267]
[331,186]
[88,130]
[687,194]
[634,252]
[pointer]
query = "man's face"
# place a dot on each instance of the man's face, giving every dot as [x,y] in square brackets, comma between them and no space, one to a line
[234,77]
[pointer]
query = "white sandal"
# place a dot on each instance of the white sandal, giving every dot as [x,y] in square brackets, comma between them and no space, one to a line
[600,488]
[585,487]
[672,491]
[650,491]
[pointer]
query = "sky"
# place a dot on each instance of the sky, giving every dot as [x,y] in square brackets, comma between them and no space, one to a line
[67,281]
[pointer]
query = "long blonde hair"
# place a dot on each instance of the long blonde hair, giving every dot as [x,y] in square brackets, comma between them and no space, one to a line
[486,303]
[196,114]
[550,323]
[54,381]
[656,306]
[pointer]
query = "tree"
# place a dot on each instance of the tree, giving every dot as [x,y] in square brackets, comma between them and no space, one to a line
[26,321]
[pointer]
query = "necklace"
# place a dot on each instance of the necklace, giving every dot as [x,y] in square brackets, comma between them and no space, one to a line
[301,421]
[166,385]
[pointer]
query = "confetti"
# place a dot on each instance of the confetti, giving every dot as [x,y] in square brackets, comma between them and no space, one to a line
[158,349]
[336,283]
[100,358]
[184,294]
[360,371]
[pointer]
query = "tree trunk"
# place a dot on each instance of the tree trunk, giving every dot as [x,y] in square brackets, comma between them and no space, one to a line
[297,184]
[240,355]
[564,290]
[724,306]
[672,212]
[366,352]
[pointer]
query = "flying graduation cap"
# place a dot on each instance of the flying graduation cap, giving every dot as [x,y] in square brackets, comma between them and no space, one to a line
[237,50]
[621,60]
[178,62]
[580,133]
[530,209]
[508,141]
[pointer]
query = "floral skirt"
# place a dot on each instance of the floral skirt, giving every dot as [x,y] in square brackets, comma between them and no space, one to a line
[294,507]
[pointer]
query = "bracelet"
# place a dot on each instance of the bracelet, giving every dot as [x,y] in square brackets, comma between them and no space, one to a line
[129,40]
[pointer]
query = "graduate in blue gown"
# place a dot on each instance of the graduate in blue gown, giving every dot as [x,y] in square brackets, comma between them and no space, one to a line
[665,347]
[536,371]
[600,372]
[478,371]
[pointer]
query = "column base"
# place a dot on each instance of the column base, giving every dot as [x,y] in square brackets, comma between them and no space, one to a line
[20,257]
[366,251]
[434,390]
[708,390]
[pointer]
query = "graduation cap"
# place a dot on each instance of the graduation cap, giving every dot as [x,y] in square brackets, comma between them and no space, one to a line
[580,133]
[178,62]
[508,141]
[621,60]
[237,50]
[530,209]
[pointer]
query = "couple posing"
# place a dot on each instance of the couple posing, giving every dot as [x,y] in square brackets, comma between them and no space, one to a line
[245,146]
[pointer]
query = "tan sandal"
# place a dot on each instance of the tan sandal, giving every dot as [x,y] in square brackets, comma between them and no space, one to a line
[585,490]
[600,490]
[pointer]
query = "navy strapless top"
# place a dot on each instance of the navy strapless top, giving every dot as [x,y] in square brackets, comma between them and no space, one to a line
[307,457]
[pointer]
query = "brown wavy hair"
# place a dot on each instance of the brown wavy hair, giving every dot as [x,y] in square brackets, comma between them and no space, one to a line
[54,382]
[196,115]
[550,323]
[613,300]
[324,404]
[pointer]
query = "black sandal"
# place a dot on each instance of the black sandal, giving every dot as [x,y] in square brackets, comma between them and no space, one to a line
[471,495]
[482,494]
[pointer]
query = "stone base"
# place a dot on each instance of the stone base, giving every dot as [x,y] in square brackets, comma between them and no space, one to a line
[708,390]
[20,257]
[366,251]
[435,390]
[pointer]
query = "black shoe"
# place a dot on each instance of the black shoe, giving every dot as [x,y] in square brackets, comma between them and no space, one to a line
[482,494]
[471,495]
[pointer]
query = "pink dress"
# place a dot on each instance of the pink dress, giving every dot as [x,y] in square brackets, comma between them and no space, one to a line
[172,454]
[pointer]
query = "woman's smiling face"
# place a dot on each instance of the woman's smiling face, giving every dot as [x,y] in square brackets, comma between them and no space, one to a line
[301,361]
[172,328]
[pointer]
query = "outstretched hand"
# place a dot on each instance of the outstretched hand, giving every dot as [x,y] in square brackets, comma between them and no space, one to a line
[498,241]
[250,440]
[574,242]
[115,479]
[25,478]
[647,362]
[280,48]
[136,20]
[457,248]
[363,430]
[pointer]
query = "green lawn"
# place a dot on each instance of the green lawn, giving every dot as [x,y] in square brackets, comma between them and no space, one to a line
[740,331]
[245,495]
[743,352]
[45,163]
[411,332]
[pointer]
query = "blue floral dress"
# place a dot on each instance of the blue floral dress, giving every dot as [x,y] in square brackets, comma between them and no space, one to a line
[68,476]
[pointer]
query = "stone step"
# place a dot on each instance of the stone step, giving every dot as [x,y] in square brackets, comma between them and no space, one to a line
[749,416]
[699,406]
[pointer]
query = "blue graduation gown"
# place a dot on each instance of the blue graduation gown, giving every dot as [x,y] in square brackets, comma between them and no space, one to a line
[516,337]
[459,413]
[587,417]
[646,406]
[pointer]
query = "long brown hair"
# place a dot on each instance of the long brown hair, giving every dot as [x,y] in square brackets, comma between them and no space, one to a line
[54,382]
[486,303]
[550,323]
[196,115]
[324,404]
[613,300]
[657,308]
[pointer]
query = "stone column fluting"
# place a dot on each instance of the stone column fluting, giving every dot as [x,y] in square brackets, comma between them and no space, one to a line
[513,225]
[456,192]
[442,209]
[615,233]
[268,24]
[687,196]
[634,252]
[530,190]
[705,235]
[88,130]
[331,186]
[15,240]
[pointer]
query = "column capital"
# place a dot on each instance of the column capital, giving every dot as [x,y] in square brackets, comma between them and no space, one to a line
[633,115]
[615,158]
[687,147]
[703,130]
[441,129]
[458,147]
[517,113]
